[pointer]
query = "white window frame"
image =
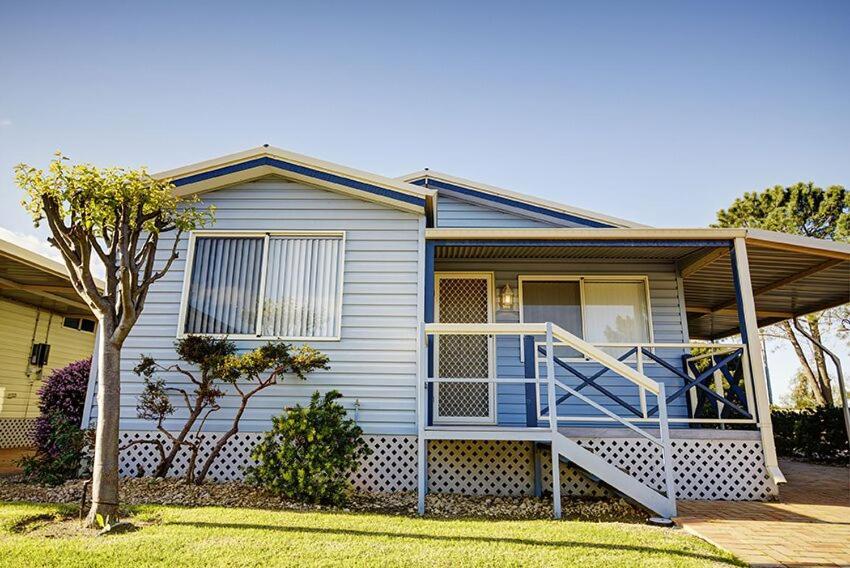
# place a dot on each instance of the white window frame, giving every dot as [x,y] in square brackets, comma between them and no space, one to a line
[490,277]
[582,279]
[187,281]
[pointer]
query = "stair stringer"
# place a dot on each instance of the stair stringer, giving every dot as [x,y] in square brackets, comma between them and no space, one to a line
[615,477]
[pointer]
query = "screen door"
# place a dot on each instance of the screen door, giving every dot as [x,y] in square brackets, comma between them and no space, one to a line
[464,298]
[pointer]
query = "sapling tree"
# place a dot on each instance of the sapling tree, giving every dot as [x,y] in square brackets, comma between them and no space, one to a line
[115,217]
[221,371]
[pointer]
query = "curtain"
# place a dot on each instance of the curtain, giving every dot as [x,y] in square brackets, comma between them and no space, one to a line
[616,312]
[303,287]
[225,285]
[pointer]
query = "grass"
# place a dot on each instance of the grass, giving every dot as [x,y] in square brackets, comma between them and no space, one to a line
[215,536]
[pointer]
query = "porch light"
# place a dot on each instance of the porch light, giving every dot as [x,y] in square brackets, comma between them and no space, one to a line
[507,298]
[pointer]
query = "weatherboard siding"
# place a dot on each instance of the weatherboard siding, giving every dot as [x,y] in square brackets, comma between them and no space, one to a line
[21,325]
[667,323]
[453,212]
[375,362]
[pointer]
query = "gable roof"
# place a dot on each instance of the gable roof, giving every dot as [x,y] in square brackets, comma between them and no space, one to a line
[512,201]
[266,160]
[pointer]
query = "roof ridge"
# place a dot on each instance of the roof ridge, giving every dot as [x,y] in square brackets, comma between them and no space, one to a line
[522,198]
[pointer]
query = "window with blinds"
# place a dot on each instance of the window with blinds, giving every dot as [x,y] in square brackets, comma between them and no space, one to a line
[286,286]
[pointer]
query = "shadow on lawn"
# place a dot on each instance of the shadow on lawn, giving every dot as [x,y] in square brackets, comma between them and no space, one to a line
[491,540]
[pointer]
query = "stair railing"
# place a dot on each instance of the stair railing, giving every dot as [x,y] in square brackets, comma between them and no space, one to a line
[600,356]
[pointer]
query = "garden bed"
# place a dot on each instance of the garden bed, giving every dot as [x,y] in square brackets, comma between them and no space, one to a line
[234,494]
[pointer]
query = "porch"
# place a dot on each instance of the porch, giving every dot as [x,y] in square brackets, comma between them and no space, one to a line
[492,370]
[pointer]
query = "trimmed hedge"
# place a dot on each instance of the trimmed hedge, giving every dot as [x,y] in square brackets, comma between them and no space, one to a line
[811,434]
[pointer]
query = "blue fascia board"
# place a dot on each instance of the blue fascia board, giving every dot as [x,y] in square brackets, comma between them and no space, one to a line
[435,183]
[581,243]
[304,171]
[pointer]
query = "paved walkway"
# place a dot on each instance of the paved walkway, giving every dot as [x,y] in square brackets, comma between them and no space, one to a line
[809,526]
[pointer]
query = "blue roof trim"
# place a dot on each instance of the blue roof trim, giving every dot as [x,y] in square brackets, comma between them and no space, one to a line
[304,171]
[579,243]
[431,182]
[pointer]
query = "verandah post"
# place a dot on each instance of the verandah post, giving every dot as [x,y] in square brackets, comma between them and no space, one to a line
[666,447]
[530,373]
[748,323]
[553,422]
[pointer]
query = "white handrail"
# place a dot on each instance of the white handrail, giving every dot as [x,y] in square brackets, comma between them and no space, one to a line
[607,412]
[558,332]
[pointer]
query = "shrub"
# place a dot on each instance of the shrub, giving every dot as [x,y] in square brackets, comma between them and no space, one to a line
[813,434]
[220,370]
[310,452]
[60,443]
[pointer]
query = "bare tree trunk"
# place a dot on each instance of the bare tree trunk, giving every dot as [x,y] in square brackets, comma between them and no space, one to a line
[804,363]
[176,446]
[105,470]
[820,360]
[219,445]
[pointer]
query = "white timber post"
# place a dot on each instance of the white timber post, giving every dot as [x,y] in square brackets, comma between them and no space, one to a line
[421,418]
[750,335]
[553,422]
[666,447]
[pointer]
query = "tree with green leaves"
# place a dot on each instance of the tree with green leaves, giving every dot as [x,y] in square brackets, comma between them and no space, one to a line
[808,210]
[116,217]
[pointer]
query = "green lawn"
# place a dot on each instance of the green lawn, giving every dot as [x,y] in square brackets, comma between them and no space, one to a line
[214,536]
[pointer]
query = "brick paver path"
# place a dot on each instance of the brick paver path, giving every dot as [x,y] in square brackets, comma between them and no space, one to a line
[809,526]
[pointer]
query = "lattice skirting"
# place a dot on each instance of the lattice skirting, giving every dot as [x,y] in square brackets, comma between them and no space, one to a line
[704,469]
[16,432]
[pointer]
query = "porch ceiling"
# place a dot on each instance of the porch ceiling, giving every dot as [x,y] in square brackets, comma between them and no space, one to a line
[785,284]
[565,252]
[790,276]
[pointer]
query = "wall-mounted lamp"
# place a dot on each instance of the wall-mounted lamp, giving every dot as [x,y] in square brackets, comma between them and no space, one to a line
[507,298]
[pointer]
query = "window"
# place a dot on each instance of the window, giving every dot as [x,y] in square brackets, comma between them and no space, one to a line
[558,301]
[278,285]
[596,309]
[81,324]
[616,312]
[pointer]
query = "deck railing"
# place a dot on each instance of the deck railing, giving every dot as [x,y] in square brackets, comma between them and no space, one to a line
[715,382]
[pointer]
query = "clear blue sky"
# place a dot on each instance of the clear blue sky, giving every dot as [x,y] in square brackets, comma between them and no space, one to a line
[661,112]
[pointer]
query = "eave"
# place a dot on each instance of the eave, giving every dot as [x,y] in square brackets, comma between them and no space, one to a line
[267,161]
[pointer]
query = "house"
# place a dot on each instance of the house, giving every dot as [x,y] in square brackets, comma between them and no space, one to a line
[44,325]
[480,336]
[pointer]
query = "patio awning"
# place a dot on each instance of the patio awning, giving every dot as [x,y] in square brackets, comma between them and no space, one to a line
[33,279]
[791,276]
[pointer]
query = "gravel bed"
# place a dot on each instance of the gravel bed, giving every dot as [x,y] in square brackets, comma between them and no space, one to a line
[236,494]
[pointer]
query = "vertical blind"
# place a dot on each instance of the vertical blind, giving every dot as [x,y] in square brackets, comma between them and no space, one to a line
[302,287]
[300,296]
[225,286]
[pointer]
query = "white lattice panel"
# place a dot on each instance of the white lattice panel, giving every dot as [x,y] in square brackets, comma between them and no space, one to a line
[704,469]
[16,432]
[480,467]
[391,467]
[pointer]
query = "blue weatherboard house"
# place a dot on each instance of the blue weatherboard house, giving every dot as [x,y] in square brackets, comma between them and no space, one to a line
[480,336]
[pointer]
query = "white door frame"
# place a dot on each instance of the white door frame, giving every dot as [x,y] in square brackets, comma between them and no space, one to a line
[491,348]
